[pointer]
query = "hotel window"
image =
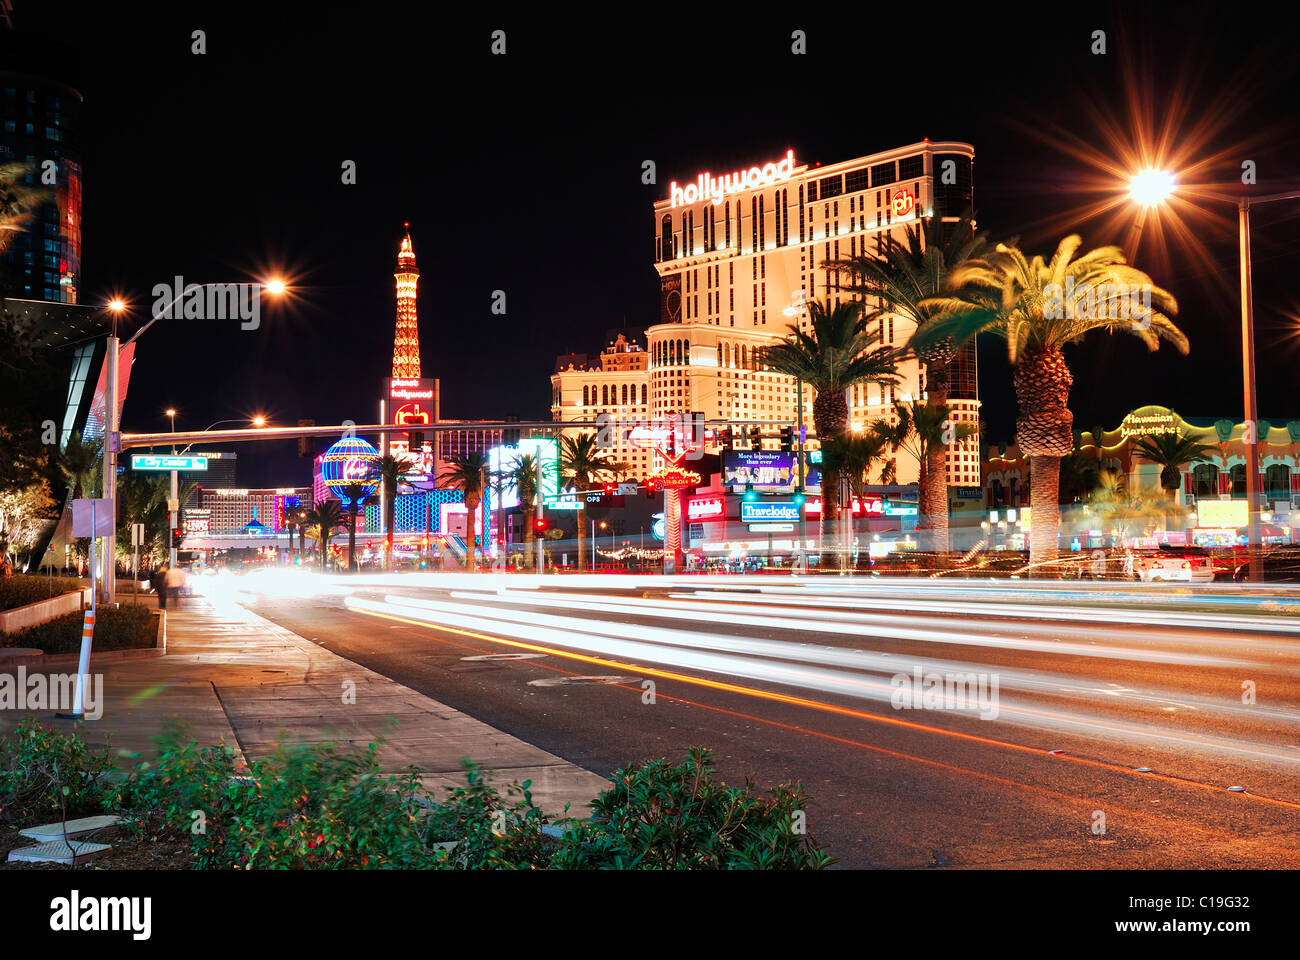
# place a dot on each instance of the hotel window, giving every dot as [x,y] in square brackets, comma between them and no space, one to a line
[726,220]
[753,224]
[802,236]
[856,180]
[686,352]
[604,394]
[585,398]
[909,168]
[828,187]
[883,173]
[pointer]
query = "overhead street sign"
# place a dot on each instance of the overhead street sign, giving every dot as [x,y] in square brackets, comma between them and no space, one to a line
[153,461]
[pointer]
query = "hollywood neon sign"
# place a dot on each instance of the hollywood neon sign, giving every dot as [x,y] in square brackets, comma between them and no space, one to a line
[709,187]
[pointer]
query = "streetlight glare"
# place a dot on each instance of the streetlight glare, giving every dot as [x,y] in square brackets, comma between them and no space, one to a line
[116,305]
[170,412]
[275,286]
[259,421]
[1150,187]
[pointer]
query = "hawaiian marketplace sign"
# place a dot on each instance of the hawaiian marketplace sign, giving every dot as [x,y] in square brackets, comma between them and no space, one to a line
[1148,422]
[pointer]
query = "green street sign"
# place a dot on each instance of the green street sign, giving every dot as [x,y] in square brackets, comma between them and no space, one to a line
[152,461]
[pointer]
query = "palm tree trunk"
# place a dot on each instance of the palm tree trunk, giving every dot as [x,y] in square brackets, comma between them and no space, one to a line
[323,539]
[1045,514]
[352,536]
[830,511]
[582,522]
[390,509]
[934,489]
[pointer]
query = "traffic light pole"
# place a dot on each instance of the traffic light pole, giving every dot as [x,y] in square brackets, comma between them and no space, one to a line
[803,517]
[539,535]
[171,520]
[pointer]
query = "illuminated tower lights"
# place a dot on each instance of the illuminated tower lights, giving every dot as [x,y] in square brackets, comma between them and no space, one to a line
[406,342]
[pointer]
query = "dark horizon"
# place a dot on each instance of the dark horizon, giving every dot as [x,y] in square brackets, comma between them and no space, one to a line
[522,173]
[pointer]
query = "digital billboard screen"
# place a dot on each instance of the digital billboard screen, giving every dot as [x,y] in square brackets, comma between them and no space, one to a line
[765,469]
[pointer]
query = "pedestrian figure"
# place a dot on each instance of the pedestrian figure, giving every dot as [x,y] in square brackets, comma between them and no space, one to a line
[160,584]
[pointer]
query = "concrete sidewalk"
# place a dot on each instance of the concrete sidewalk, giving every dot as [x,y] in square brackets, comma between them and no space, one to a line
[236,677]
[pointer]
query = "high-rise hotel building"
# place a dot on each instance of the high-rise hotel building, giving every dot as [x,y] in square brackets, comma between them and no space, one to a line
[740,254]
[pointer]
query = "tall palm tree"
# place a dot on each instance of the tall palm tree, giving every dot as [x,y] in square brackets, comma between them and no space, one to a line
[468,474]
[389,470]
[521,477]
[1172,451]
[921,430]
[1040,306]
[355,495]
[581,465]
[80,465]
[325,518]
[903,277]
[835,356]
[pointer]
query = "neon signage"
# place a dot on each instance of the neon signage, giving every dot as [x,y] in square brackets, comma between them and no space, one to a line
[705,508]
[709,187]
[675,478]
[771,511]
[400,388]
[904,203]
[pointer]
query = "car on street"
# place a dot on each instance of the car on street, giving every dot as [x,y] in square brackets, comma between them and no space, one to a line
[1166,563]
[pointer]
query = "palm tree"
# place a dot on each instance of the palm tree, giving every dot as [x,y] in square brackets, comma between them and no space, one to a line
[468,474]
[80,464]
[581,465]
[853,456]
[921,430]
[833,358]
[389,470]
[1171,451]
[1038,307]
[19,201]
[904,277]
[355,494]
[325,518]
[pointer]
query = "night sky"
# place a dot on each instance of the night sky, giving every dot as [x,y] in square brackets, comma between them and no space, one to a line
[523,173]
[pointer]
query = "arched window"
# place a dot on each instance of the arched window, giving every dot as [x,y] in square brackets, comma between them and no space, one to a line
[1238,477]
[584,395]
[744,357]
[1205,480]
[666,237]
[727,352]
[686,352]
[643,394]
[719,354]
[625,394]
[1277,482]
[604,395]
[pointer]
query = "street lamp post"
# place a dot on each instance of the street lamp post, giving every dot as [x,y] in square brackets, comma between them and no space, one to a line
[1152,187]
[111,426]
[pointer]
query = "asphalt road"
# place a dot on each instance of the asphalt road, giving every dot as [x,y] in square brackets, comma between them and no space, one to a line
[808,682]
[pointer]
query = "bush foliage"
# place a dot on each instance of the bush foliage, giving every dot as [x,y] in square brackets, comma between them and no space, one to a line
[326,807]
[31,588]
[116,628]
[47,773]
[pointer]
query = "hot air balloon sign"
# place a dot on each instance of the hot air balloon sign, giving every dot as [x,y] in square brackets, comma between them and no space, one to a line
[350,461]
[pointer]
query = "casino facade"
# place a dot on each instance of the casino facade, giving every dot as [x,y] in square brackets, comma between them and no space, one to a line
[738,257]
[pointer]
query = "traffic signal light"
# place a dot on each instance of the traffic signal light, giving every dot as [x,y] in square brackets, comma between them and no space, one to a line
[725,440]
[750,495]
[755,438]
[651,485]
[306,446]
[540,524]
[787,438]
[610,488]
[798,496]
[177,536]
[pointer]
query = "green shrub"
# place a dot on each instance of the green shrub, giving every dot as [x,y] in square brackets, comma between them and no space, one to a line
[116,628]
[663,816]
[491,831]
[313,807]
[33,588]
[45,772]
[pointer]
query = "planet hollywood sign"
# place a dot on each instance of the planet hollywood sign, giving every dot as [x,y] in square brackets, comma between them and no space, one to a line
[709,187]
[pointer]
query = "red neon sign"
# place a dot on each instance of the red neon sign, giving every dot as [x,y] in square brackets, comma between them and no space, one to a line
[705,508]
[904,202]
[871,506]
